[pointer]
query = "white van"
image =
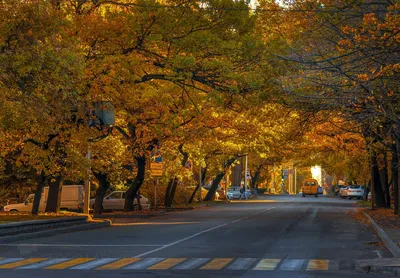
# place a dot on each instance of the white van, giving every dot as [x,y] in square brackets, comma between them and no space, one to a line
[72,197]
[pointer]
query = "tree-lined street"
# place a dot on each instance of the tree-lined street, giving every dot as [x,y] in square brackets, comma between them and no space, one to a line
[276,236]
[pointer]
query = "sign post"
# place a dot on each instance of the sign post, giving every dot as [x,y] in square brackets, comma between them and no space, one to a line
[156,170]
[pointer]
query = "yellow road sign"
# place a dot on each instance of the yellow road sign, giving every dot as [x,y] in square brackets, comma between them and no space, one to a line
[156,172]
[156,166]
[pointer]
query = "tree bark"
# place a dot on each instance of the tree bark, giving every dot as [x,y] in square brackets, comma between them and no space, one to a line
[254,179]
[136,184]
[237,174]
[170,197]
[385,180]
[168,191]
[218,178]
[54,196]
[395,178]
[171,189]
[38,193]
[104,185]
[376,185]
[203,178]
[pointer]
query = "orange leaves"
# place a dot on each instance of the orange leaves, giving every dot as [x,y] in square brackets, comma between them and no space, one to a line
[370,19]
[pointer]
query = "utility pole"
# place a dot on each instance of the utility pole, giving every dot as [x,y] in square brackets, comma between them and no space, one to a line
[245,178]
[156,194]
[295,180]
[200,185]
[86,204]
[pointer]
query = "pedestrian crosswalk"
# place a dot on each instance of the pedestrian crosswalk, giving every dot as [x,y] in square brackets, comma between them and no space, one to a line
[201,264]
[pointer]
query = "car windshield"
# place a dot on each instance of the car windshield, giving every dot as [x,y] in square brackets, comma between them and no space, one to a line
[354,187]
[233,188]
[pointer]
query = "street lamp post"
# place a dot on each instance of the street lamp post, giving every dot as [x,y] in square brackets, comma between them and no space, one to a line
[245,177]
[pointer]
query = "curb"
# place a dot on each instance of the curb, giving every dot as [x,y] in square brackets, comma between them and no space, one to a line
[81,227]
[393,248]
[388,266]
[141,216]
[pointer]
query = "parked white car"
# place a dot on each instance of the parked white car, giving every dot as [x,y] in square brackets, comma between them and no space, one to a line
[355,191]
[71,199]
[116,201]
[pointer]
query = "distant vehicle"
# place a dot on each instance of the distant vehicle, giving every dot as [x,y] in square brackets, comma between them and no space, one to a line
[310,187]
[71,200]
[320,190]
[116,201]
[343,192]
[234,193]
[355,191]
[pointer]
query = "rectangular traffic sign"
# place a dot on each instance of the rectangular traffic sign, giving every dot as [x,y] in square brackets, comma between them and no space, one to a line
[156,165]
[156,172]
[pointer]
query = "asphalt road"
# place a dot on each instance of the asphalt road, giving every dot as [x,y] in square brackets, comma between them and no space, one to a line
[280,236]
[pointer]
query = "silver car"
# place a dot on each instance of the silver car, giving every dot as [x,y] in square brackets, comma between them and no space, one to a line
[234,193]
[355,191]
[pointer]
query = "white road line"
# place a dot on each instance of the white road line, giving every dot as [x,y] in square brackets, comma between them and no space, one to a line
[10,260]
[94,264]
[200,233]
[44,263]
[292,265]
[145,263]
[80,245]
[192,263]
[242,263]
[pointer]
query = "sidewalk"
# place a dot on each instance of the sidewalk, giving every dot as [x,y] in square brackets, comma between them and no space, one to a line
[387,226]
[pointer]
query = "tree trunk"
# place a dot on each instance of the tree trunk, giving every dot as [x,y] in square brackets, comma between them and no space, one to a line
[376,185]
[254,179]
[237,174]
[214,186]
[203,178]
[104,185]
[136,184]
[171,195]
[171,189]
[54,197]
[385,180]
[168,191]
[395,178]
[217,180]
[38,193]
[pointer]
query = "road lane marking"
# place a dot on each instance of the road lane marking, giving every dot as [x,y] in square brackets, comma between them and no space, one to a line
[70,263]
[144,263]
[95,263]
[217,263]
[22,263]
[192,263]
[168,263]
[318,265]
[202,232]
[267,264]
[44,263]
[241,264]
[10,260]
[292,265]
[119,264]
